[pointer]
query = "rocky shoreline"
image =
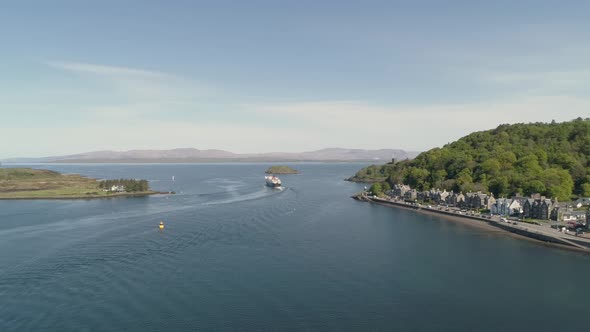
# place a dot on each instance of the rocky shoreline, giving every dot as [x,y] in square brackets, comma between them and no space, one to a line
[81,197]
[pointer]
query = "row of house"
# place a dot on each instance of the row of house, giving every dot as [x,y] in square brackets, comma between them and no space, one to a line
[469,200]
[540,208]
[506,207]
[534,207]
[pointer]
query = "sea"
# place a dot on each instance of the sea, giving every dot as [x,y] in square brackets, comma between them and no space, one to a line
[236,255]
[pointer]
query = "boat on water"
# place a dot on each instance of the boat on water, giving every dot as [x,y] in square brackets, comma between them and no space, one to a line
[272,181]
[161,225]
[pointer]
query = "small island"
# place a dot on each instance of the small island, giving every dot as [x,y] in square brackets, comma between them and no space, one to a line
[27,183]
[281,170]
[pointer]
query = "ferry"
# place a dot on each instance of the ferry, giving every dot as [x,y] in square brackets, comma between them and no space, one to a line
[272,181]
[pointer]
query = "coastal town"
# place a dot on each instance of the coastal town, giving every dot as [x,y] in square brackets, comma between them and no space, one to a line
[537,217]
[534,207]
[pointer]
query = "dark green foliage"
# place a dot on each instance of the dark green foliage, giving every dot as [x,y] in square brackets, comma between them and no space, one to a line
[130,185]
[281,170]
[552,159]
[26,173]
[376,189]
[374,173]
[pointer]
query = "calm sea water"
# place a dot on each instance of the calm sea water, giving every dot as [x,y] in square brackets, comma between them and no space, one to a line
[236,255]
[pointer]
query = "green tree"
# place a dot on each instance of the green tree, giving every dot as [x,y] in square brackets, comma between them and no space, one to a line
[376,189]
[558,183]
[499,186]
[385,187]
[491,167]
[534,186]
[529,157]
[417,177]
[464,180]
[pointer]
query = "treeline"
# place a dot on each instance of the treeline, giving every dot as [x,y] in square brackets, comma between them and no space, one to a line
[130,185]
[548,158]
[373,173]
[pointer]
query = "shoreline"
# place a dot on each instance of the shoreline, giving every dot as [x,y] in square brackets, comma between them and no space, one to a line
[475,222]
[368,181]
[87,197]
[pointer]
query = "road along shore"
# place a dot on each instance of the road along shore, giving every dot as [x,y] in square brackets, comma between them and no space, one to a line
[539,235]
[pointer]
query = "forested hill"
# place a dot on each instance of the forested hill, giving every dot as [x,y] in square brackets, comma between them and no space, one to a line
[548,158]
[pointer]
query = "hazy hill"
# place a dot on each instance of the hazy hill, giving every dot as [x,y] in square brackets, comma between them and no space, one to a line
[548,158]
[196,155]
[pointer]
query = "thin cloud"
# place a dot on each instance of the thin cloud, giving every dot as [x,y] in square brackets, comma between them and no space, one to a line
[140,85]
[79,67]
[544,81]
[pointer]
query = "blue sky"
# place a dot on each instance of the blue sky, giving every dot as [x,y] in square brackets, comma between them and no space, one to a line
[260,76]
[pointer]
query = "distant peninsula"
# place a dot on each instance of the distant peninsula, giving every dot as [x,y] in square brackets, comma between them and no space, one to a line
[191,155]
[27,183]
[281,170]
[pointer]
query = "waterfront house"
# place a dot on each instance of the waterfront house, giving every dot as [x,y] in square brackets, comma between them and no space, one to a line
[422,195]
[450,197]
[555,211]
[545,207]
[433,194]
[489,201]
[469,200]
[506,207]
[484,201]
[500,207]
[478,200]
[441,196]
[400,189]
[538,207]
[411,195]
[458,200]
[527,207]
[583,201]
[118,188]
[577,216]
[515,207]
[503,207]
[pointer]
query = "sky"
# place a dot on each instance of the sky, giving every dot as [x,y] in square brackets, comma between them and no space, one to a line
[262,76]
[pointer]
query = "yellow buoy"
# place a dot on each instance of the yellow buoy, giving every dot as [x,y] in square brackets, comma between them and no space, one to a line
[161,225]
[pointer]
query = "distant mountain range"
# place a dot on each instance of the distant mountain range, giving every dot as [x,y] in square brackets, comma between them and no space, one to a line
[189,155]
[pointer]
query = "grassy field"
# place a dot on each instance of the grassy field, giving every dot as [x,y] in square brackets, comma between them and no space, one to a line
[27,183]
[281,170]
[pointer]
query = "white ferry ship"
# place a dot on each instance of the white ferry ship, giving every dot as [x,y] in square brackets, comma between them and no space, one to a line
[272,181]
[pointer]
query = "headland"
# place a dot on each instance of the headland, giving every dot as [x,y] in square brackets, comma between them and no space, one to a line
[27,183]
